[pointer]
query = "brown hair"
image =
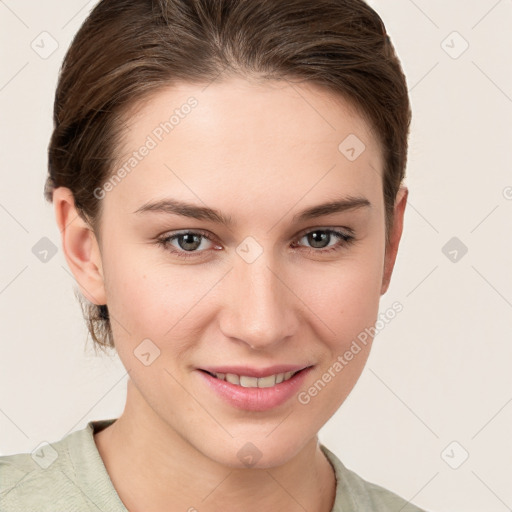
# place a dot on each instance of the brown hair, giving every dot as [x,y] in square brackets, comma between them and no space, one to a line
[128,49]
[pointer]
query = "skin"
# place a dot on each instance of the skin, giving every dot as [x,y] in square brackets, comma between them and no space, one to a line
[259,152]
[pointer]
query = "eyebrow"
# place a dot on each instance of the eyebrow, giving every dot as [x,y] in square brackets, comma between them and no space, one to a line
[176,207]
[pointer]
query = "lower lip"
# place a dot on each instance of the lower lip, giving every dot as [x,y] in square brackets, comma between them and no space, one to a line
[256,399]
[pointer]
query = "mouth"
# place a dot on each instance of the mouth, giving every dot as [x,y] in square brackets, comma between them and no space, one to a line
[253,389]
[247,381]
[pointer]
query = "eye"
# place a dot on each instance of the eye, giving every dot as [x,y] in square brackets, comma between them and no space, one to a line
[188,243]
[320,239]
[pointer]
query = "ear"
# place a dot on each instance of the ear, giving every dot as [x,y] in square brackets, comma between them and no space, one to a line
[394,237]
[80,247]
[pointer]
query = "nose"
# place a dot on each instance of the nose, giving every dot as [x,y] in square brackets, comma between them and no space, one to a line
[259,307]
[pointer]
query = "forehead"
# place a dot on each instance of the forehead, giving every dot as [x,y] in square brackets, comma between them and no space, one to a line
[279,110]
[249,138]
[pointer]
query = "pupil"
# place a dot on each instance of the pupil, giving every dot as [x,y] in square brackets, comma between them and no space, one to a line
[192,239]
[318,239]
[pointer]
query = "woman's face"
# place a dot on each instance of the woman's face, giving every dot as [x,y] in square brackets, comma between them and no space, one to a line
[272,291]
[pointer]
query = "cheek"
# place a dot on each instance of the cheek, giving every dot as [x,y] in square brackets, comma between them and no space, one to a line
[345,295]
[162,301]
[346,300]
[150,300]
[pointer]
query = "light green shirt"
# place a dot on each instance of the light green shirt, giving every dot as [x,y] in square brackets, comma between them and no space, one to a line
[69,476]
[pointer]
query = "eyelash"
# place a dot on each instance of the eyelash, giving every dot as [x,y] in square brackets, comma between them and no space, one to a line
[345,240]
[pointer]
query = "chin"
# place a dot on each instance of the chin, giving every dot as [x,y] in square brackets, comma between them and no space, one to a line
[256,452]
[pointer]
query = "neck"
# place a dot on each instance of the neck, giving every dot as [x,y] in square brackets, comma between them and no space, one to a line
[152,466]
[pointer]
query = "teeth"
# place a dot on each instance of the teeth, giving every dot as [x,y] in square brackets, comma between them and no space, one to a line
[267,382]
[248,382]
[254,382]
[230,377]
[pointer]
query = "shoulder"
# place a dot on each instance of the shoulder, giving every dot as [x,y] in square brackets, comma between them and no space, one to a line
[38,480]
[353,491]
[50,478]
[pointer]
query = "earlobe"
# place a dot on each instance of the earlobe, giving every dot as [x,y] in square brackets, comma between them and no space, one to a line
[394,238]
[80,247]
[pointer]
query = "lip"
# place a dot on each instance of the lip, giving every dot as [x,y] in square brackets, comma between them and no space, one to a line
[255,372]
[255,399]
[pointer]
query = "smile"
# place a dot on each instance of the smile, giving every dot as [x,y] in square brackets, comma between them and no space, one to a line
[254,382]
[255,389]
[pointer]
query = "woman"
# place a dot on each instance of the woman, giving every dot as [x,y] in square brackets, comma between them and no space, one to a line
[227,179]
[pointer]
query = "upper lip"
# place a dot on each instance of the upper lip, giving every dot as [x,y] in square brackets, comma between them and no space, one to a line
[255,372]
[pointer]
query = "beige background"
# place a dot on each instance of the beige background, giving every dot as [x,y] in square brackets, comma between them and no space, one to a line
[438,373]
